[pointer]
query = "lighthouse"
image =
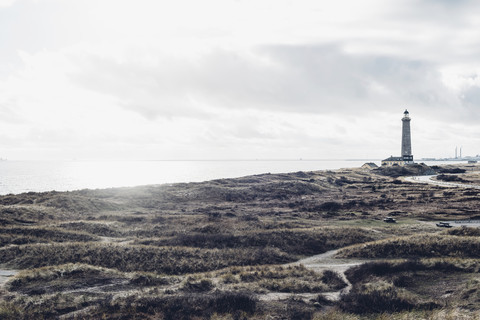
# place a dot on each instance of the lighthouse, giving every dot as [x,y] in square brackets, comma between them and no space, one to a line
[406,139]
[406,156]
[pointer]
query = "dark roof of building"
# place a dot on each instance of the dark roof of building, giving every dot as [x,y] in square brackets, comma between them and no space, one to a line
[392,158]
[370,164]
[406,111]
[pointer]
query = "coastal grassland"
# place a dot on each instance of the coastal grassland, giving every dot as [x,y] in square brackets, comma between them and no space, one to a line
[82,278]
[78,291]
[169,260]
[437,314]
[68,201]
[295,242]
[469,172]
[303,199]
[422,245]
[28,214]
[187,253]
[101,228]
[62,290]
[472,176]
[382,230]
[292,279]
[412,285]
[38,234]
[215,249]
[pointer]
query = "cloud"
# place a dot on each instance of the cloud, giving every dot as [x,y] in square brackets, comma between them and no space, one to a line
[268,77]
[151,91]
[8,112]
[313,79]
[7,3]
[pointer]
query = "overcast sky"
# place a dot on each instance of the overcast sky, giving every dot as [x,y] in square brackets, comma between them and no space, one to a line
[237,79]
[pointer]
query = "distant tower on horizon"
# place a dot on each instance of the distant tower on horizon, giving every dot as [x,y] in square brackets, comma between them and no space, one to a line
[406,139]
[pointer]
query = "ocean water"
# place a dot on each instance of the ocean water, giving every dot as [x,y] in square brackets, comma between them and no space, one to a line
[24,176]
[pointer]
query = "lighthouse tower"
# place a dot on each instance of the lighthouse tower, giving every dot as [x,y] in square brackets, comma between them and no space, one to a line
[406,139]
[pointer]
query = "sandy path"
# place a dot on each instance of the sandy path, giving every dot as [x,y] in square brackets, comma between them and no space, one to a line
[429,180]
[5,276]
[319,263]
[119,241]
[326,261]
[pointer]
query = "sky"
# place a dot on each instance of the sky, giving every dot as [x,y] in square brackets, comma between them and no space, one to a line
[237,79]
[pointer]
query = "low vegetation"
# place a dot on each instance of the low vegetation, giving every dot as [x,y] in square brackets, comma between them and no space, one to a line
[223,249]
[286,279]
[451,178]
[424,284]
[412,170]
[62,278]
[21,235]
[293,241]
[169,260]
[423,245]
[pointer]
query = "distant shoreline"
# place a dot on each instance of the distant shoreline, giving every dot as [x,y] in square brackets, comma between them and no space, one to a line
[42,176]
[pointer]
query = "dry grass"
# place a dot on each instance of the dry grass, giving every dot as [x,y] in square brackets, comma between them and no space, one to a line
[464,232]
[76,276]
[378,297]
[292,241]
[423,245]
[96,247]
[425,284]
[133,305]
[22,235]
[292,279]
[440,314]
[169,260]
[95,228]
[62,278]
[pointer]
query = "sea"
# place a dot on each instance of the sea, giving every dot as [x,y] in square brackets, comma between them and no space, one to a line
[39,176]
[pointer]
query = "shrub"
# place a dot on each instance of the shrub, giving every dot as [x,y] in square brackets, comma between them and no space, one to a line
[295,279]
[333,280]
[444,177]
[382,297]
[330,206]
[9,311]
[187,306]
[368,270]
[465,231]
[450,170]
[230,278]
[298,310]
[226,302]
[198,286]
